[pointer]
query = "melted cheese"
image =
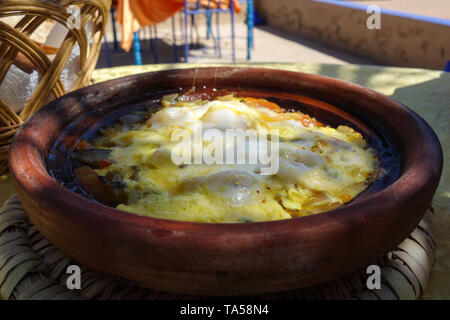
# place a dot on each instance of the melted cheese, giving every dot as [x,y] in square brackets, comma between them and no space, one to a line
[320,167]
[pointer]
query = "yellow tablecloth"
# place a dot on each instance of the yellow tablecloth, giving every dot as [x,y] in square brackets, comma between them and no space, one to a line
[424,91]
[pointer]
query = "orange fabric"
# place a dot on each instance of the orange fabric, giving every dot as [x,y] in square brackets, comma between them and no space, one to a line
[134,14]
[129,23]
[150,12]
[215,3]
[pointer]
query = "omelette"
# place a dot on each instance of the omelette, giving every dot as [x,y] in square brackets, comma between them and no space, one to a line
[315,167]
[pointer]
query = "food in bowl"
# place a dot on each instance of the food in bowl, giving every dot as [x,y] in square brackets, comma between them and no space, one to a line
[139,163]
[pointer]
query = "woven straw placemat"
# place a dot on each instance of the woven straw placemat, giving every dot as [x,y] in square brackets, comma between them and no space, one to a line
[32,268]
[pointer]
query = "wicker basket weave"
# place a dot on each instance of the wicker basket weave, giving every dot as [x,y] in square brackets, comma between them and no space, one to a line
[16,41]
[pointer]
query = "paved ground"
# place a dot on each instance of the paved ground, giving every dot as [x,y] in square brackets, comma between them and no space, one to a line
[270,46]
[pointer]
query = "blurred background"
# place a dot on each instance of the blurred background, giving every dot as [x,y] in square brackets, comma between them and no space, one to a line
[409,33]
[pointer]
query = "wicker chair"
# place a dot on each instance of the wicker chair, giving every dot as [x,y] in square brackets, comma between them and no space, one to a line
[19,49]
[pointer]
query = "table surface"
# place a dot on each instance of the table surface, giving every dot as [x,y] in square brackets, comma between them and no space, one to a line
[424,91]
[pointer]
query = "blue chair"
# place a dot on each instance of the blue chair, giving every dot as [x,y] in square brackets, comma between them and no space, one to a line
[136,41]
[192,9]
[105,40]
[108,52]
[113,21]
[447,67]
[137,49]
[250,25]
[252,20]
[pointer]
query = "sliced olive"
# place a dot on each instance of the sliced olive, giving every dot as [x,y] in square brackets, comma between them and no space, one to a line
[106,193]
[91,157]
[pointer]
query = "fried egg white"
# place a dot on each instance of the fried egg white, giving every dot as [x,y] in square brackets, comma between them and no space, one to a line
[320,167]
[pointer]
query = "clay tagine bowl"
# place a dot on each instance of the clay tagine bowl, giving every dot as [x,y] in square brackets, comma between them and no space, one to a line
[228,259]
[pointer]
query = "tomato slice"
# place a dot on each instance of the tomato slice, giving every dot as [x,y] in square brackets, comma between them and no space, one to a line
[264,103]
[105,163]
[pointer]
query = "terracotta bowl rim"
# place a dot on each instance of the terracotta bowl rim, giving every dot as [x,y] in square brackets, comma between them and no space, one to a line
[56,194]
